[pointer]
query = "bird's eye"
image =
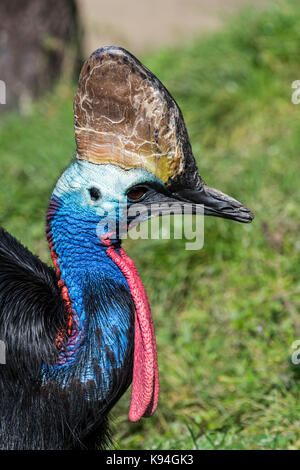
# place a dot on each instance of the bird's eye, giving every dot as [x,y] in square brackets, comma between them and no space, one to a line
[95,194]
[137,193]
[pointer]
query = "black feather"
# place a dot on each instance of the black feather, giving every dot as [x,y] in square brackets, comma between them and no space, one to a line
[38,416]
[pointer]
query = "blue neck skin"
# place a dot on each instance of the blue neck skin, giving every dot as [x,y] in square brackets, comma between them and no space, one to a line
[73,233]
[83,263]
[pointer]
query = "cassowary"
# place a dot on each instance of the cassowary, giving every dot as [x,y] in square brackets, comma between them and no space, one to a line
[76,336]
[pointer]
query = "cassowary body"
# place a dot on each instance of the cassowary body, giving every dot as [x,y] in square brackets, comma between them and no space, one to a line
[77,335]
[37,412]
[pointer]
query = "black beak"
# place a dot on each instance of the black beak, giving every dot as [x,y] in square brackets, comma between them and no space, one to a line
[215,203]
[189,201]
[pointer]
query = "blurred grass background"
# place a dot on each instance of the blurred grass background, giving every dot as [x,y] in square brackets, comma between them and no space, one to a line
[226,316]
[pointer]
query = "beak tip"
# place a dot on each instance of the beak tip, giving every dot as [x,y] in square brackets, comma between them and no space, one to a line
[217,204]
[245,216]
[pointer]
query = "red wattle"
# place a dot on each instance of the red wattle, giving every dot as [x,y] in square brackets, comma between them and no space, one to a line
[145,382]
[153,405]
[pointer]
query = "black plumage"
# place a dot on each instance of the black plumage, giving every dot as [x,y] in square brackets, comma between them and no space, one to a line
[36,416]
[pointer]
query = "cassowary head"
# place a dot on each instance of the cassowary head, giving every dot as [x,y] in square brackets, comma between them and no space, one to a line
[132,149]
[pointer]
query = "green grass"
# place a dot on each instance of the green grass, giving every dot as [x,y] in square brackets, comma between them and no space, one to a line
[227,315]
